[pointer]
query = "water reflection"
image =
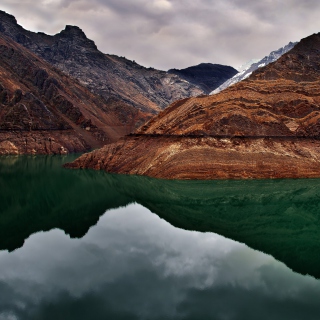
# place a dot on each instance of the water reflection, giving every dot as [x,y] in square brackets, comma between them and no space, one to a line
[278,217]
[37,194]
[134,265]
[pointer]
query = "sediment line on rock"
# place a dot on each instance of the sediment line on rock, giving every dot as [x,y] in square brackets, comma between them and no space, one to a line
[207,158]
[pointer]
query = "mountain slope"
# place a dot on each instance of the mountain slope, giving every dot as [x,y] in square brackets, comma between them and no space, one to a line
[45,111]
[267,126]
[250,67]
[112,77]
[207,76]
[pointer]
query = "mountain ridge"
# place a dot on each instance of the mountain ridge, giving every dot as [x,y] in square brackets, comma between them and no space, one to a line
[249,68]
[107,96]
[266,126]
[147,89]
[206,75]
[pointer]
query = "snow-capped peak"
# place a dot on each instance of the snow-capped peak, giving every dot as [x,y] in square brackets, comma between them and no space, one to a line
[246,69]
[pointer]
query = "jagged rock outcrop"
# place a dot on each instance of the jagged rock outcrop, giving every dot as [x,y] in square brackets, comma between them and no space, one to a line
[207,76]
[267,126]
[113,77]
[45,111]
[248,68]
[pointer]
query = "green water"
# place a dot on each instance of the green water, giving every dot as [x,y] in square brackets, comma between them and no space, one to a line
[81,244]
[37,194]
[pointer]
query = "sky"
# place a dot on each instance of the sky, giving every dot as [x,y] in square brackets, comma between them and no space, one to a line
[168,34]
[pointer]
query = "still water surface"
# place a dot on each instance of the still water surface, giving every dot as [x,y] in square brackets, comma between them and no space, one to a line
[90,245]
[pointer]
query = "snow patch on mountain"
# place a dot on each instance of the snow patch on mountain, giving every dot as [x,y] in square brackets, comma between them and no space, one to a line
[246,69]
[242,69]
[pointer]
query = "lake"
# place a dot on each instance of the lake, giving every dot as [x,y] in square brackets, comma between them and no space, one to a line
[83,244]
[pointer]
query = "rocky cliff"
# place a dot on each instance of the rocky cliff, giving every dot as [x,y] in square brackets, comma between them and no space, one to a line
[113,77]
[45,111]
[207,76]
[266,126]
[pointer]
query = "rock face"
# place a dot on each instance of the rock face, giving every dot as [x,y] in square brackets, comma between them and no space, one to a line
[207,76]
[247,70]
[45,111]
[267,126]
[113,77]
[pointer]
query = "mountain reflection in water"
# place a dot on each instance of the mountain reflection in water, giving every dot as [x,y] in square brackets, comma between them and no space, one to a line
[278,217]
[134,265]
[130,264]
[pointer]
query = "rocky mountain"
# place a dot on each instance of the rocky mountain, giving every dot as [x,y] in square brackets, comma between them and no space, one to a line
[253,65]
[207,76]
[111,76]
[266,126]
[43,110]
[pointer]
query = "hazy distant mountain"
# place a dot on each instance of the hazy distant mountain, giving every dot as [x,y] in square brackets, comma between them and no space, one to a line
[246,70]
[111,76]
[207,76]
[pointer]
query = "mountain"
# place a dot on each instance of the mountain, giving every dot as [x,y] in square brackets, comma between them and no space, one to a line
[246,70]
[113,77]
[266,126]
[207,76]
[42,110]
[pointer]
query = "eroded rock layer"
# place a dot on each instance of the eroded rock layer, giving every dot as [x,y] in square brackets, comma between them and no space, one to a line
[41,142]
[207,157]
[267,126]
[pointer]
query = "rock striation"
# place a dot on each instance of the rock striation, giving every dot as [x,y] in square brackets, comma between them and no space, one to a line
[116,78]
[44,111]
[207,76]
[267,126]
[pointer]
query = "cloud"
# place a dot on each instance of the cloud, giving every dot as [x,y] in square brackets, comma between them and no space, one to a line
[176,33]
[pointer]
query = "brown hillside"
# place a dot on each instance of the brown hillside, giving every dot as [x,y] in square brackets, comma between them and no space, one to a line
[267,126]
[45,111]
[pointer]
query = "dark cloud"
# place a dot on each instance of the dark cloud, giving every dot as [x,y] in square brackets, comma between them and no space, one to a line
[176,33]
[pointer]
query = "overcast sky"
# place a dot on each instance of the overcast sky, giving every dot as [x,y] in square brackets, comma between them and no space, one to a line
[176,33]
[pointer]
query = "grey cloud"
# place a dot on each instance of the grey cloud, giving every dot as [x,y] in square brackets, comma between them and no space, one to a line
[176,33]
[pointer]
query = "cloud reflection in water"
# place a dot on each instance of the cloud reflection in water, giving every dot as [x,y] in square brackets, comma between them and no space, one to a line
[134,265]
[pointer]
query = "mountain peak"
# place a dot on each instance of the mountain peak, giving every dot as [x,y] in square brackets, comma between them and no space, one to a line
[76,34]
[207,76]
[73,29]
[7,16]
[300,64]
[311,42]
[70,30]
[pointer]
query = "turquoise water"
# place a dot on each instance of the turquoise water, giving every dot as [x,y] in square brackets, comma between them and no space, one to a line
[81,244]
